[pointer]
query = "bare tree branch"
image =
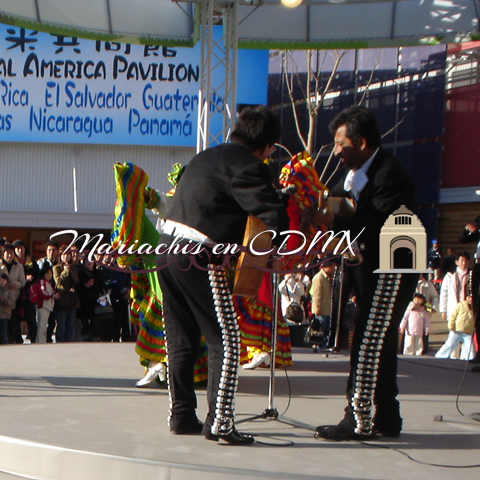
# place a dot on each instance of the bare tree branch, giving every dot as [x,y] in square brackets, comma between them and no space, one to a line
[313,92]
[317,157]
[326,165]
[377,62]
[334,171]
[331,77]
[279,145]
[317,102]
[314,98]
[289,83]
[395,126]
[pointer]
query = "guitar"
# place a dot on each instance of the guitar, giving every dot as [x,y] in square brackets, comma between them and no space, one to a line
[342,206]
[248,276]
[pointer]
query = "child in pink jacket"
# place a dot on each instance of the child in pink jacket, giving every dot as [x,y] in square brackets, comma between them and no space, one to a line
[415,324]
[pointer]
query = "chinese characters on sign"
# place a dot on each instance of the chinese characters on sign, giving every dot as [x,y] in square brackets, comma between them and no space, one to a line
[55,88]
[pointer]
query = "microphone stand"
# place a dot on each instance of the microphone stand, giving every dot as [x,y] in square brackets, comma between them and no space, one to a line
[271,412]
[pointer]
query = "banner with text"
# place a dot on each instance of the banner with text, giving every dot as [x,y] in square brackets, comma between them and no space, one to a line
[70,90]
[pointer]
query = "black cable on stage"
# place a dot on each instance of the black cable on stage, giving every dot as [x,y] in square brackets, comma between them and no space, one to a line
[386,447]
[290,443]
[457,406]
[287,443]
[289,387]
[462,381]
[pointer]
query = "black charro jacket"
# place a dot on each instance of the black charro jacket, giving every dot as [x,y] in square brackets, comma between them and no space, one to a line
[389,187]
[220,187]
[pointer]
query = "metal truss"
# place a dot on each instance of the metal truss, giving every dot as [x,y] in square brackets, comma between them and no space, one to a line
[218,73]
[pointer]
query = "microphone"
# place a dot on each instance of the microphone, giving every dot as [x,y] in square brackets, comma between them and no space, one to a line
[288,190]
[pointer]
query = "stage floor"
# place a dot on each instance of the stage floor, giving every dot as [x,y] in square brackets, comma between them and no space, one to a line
[71,411]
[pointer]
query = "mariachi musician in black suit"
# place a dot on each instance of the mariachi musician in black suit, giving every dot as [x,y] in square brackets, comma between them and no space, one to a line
[221,186]
[378,185]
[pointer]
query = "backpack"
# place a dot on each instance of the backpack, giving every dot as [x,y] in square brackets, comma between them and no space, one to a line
[34,294]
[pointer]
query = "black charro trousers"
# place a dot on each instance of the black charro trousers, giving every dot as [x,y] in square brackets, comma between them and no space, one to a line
[196,301]
[386,409]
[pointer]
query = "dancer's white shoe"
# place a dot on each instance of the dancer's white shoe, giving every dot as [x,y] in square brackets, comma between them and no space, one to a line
[154,370]
[257,360]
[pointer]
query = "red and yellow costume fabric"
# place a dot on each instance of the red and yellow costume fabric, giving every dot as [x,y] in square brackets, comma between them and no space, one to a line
[300,171]
[255,315]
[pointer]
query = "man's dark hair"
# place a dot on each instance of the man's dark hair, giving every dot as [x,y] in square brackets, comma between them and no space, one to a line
[360,122]
[52,244]
[463,254]
[257,127]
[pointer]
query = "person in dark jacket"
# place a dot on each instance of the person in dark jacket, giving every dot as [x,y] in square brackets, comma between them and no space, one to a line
[378,185]
[221,187]
[90,287]
[66,280]
[31,271]
[7,304]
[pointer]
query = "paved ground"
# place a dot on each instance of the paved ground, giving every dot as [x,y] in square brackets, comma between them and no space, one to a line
[71,411]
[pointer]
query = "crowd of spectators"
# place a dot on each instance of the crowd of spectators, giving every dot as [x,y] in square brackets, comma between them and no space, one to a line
[62,274]
[57,296]
[443,291]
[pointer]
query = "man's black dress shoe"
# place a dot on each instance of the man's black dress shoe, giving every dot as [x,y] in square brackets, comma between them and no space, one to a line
[233,438]
[191,427]
[335,433]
